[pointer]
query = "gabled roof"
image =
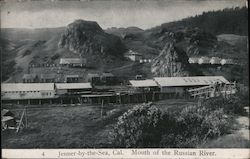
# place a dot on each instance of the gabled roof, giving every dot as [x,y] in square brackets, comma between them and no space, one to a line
[93,75]
[29,76]
[143,83]
[6,112]
[9,87]
[72,76]
[73,85]
[107,75]
[190,81]
[130,52]
[72,61]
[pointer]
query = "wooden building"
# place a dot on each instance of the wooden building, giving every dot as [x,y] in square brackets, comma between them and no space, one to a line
[72,78]
[133,56]
[47,78]
[147,85]
[30,78]
[27,91]
[94,78]
[179,85]
[108,79]
[73,88]
[73,62]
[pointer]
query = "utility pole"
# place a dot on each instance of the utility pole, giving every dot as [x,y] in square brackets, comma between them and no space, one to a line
[102,108]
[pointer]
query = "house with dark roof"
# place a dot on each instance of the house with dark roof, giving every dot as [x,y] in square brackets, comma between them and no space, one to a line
[72,78]
[47,78]
[108,78]
[94,78]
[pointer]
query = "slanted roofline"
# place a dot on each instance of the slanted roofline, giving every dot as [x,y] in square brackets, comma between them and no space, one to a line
[189,81]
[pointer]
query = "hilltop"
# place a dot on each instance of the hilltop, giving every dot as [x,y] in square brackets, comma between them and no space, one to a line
[87,39]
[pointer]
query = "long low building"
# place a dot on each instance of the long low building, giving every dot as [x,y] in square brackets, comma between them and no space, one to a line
[23,91]
[180,84]
[19,91]
[73,88]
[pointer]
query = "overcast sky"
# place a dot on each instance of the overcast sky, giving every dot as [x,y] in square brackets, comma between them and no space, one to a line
[108,13]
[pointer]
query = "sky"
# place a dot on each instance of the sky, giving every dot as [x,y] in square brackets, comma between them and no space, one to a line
[108,13]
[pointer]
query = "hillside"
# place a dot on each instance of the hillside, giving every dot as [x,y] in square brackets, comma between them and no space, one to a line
[226,21]
[123,32]
[88,40]
[172,62]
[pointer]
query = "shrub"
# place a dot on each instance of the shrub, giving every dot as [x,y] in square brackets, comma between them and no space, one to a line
[233,105]
[137,127]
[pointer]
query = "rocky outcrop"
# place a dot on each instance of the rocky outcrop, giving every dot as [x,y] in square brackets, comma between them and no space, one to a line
[171,62]
[87,39]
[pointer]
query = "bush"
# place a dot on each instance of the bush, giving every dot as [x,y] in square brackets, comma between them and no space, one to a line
[233,105]
[137,127]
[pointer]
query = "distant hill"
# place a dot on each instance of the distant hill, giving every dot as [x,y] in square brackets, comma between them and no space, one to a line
[122,32]
[226,21]
[22,34]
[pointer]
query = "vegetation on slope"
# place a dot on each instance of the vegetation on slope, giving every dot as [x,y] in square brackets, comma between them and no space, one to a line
[226,21]
[147,126]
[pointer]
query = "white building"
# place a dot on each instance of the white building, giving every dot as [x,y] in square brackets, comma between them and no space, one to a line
[227,61]
[20,91]
[204,60]
[134,56]
[193,60]
[74,62]
[215,60]
[180,84]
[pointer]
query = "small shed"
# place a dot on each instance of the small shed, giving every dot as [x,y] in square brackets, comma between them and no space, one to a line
[72,78]
[73,62]
[94,78]
[134,56]
[108,78]
[48,78]
[30,78]
[8,122]
[6,112]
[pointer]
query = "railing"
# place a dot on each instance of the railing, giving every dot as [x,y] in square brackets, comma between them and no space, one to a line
[213,91]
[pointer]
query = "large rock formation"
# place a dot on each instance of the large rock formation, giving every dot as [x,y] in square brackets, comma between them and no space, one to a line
[87,39]
[171,62]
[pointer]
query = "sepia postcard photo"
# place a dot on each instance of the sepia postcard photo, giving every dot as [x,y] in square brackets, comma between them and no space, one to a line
[117,78]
